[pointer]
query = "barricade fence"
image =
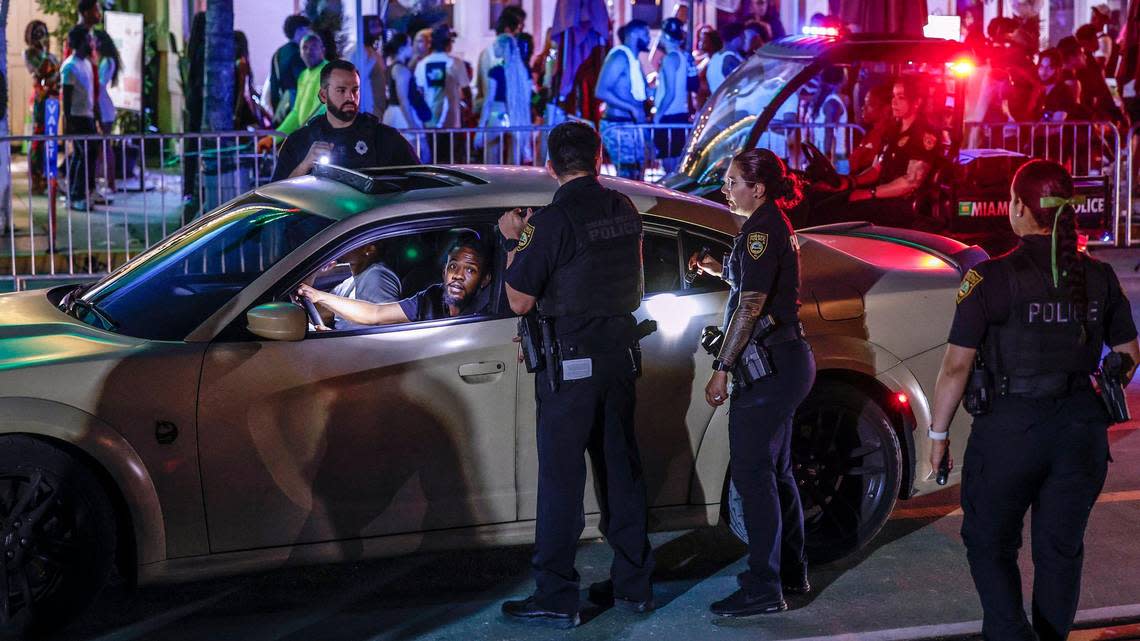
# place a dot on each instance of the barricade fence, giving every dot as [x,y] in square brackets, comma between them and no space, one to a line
[130,191]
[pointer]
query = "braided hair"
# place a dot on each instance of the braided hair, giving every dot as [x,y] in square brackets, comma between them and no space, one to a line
[1046,189]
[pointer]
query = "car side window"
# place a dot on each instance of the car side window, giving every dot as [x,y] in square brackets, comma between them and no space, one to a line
[408,278]
[662,263]
[692,243]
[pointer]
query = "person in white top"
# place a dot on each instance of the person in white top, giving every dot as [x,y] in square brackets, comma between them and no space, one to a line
[725,61]
[78,79]
[442,79]
[621,86]
[109,66]
[510,23]
[671,99]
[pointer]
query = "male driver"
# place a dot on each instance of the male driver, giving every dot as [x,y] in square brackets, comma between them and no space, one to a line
[342,135]
[621,85]
[465,276]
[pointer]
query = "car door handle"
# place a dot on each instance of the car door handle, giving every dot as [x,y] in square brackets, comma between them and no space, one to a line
[481,372]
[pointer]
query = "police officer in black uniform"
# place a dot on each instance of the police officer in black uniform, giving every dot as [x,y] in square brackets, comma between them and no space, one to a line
[762,318]
[578,262]
[885,193]
[342,135]
[1039,318]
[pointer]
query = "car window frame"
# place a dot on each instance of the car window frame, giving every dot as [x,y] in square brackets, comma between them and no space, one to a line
[680,230]
[236,331]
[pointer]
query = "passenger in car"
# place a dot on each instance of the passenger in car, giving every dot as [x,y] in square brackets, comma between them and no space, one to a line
[466,275]
[371,280]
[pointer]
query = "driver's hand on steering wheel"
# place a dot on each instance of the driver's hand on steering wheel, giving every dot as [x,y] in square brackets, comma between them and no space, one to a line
[824,186]
[312,293]
[707,265]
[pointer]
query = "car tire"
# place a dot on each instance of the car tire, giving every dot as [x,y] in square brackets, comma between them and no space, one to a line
[57,536]
[847,461]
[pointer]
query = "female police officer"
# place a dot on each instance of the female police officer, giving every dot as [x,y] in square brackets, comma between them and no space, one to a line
[763,270]
[1040,315]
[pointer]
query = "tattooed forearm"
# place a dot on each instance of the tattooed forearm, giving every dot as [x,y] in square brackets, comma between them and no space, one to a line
[740,327]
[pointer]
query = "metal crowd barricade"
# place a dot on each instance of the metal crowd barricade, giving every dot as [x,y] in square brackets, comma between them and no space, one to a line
[480,145]
[648,151]
[835,140]
[1089,150]
[162,181]
[1130,182]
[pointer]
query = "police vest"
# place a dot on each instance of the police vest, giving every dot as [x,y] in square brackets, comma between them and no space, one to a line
[1043,333]
[604,276]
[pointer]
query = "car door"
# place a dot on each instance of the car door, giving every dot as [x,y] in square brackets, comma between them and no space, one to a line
[365,432]
[671,412]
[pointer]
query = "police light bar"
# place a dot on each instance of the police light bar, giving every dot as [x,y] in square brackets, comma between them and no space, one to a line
[828,32]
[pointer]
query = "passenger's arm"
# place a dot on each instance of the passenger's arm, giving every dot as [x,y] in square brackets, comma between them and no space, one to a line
[356,311]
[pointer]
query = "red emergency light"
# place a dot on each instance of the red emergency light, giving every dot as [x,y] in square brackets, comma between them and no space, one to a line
[827,32]
[962,67]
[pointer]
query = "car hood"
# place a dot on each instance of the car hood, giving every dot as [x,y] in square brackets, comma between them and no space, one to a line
[33,331]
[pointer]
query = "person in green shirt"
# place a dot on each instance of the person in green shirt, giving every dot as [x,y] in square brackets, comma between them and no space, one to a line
[308,101]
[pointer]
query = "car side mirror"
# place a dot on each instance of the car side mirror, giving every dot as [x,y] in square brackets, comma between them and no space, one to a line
[277,321]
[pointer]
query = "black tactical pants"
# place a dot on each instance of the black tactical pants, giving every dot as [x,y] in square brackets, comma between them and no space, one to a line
[594,414]
[1045,455]
[760,449]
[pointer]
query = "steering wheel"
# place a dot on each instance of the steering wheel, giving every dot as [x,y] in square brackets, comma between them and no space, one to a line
[819,167]
[310,309]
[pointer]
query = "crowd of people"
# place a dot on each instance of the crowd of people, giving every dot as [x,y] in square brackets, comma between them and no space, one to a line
[1070,81]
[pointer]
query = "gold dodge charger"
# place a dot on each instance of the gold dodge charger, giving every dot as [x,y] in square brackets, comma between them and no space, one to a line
[184,417]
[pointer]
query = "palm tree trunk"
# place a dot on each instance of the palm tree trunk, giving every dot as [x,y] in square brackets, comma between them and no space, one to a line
[219,93]
[6,148]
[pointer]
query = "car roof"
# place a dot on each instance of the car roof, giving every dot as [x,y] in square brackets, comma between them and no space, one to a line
[401,191]
[865,47]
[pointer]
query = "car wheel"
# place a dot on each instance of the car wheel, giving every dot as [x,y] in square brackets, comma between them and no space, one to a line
[847,462]
[57,534]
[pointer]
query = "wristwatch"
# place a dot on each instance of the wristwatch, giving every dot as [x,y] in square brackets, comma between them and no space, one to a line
[511,244]
[719,366]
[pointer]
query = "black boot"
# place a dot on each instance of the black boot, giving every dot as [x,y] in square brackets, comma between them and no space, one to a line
[528,610]
[602,593]
[739,604]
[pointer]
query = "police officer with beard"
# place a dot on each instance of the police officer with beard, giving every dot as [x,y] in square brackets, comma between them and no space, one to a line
[1039,318]
[578,262]
[342,135]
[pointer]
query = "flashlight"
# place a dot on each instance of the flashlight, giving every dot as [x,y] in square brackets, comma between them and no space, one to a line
[324,160]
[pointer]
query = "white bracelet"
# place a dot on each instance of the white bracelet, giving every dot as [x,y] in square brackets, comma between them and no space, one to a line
[937,436]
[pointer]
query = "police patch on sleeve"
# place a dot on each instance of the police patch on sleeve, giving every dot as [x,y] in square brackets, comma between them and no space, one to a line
[757,243]
[525,237]
[968,284]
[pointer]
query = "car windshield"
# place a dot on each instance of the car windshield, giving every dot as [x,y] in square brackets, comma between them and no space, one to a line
[167,291]
[728,116]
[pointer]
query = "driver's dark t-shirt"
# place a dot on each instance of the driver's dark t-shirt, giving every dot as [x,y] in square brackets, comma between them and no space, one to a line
[919,142]
[428,305]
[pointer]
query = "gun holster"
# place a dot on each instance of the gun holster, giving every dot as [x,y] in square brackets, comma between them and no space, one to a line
[1110,385]
[979,395]
[530,339]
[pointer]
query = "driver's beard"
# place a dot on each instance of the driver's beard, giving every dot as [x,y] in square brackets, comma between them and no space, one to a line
[458,302]
[342,115]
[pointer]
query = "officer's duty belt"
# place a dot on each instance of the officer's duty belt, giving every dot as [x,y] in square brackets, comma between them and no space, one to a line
[784,334]
[1045,385]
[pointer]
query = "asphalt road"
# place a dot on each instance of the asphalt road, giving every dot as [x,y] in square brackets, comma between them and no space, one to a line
[911,582]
